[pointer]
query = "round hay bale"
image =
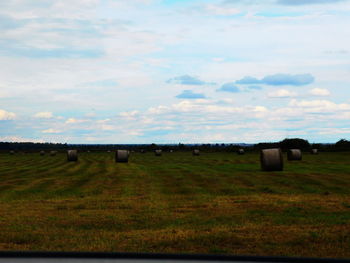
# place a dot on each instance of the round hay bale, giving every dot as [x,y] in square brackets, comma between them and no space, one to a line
[12,152]
[142,151]
[240,151]
[53,153]
[72,155]
[121,156]
[108,151]
[294,155]
[314,151]
[158,152]
[195,152]
[271,159]
[42,153]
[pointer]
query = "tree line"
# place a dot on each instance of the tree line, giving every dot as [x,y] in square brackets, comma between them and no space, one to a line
[297,143]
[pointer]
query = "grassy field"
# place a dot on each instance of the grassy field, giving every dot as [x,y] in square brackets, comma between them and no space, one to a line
[177,203]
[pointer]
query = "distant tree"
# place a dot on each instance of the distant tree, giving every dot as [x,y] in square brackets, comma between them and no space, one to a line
[342,142]
[296,143]
[342,145]
[181,146]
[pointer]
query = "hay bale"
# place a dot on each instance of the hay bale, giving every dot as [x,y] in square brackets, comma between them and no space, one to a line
[42,153]
[142,151]
[12,152]
[240,151]
[271,159]
[158,152]
[294,155]
[53,153]
[72,155]
[314,151]
[121,156]
[195,152]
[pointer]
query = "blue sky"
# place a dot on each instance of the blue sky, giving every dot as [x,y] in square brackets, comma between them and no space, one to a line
[169,71]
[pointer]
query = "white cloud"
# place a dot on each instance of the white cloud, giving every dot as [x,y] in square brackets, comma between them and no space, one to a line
[334,131]
[221,10]
[106,127]
[320,106]
[51,131]
[319,92]
[4,94]
[74,121]
[104,121]
[15,138]
[44,115]
[5,115]
[282,93]
[129,114]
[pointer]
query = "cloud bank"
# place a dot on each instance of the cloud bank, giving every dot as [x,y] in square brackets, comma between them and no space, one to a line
[279,80]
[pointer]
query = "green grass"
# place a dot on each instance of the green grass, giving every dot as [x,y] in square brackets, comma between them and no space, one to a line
[178,203]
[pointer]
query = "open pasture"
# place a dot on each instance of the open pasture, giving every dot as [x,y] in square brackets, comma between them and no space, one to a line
[178,203]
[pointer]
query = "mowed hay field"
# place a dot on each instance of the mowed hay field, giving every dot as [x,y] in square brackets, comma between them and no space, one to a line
[176,203]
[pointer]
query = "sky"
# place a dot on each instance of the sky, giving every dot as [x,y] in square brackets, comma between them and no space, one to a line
[170,71]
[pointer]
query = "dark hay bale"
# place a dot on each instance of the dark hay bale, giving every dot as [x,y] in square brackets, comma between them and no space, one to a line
[12,152]
[158,152]
[53,153]
[42,153]
[142,151]
[121,156]
[72,155]
[294,155]
[240,151]
[271,159]
[314,151]
[195,152]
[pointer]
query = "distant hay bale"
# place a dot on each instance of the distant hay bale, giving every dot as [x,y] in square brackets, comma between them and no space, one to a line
[171,151]
[271,159]
[195,152]
[12,152]
[240,151]
[294,155]
[53,153]
[314,151]
[142,151]
[108,151]
[42,153]
[72,155]
[121,156]
[158,152]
